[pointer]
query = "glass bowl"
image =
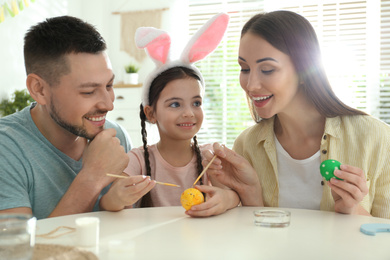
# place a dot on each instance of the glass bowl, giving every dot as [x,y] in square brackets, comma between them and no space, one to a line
[272,218]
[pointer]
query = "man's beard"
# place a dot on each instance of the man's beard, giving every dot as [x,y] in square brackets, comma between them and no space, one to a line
[74,129]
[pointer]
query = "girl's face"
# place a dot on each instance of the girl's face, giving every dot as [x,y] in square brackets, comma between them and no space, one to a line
[178,111]
[267,76]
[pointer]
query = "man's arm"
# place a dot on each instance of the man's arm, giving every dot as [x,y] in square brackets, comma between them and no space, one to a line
[22,210]
[101,156]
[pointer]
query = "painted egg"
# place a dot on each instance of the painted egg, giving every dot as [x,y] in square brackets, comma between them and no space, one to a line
[191,197]
[327,168]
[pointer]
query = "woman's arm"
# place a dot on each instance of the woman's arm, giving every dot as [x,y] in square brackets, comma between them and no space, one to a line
[235,172]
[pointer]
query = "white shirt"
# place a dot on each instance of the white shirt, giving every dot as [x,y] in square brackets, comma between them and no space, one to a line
[299,180]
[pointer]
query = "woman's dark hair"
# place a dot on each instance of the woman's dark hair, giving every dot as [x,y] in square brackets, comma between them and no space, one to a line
[158,84]
[47,44]
[293,35]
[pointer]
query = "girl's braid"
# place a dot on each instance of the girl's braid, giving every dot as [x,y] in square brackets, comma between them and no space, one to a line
[198,157]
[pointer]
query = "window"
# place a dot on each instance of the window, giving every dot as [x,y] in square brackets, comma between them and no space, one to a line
[355,44]
[384,93]
[225,107]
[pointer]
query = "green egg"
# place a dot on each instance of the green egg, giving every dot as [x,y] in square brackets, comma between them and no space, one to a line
[327,168]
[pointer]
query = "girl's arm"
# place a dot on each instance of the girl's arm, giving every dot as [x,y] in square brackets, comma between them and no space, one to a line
[126,192]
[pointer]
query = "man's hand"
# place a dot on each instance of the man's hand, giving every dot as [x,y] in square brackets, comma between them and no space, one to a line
[104,155]
[101,156]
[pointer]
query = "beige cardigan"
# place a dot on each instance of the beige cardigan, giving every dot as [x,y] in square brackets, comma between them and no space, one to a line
[360,141]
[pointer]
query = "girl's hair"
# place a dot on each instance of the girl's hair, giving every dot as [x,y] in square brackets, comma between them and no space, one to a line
[292,34]
[157,85]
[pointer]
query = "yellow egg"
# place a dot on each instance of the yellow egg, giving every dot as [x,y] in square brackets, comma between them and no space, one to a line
[191,197]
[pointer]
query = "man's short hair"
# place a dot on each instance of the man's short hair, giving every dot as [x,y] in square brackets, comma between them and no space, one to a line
[47,44]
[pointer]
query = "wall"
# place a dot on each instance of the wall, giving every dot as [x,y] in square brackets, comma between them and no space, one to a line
[12,30]
[98,13]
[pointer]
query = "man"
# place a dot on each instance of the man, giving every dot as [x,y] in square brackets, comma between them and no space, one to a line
[55,154]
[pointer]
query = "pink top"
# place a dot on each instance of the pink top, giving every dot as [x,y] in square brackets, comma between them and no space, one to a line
[162,195]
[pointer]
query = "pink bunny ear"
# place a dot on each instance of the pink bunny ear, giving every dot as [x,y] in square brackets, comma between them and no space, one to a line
[206,39]
[156,42]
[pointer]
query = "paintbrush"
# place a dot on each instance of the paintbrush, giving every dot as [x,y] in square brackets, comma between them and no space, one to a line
[158,182]
[204,170]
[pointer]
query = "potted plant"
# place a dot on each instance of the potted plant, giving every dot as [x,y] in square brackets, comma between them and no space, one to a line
[131,76]
[19,100]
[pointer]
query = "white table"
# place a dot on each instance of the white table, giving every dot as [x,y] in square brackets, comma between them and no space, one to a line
[167,233]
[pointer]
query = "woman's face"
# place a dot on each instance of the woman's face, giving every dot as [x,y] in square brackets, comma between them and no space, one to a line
[268,76]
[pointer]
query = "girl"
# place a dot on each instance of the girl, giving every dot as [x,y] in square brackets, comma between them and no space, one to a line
[172,99]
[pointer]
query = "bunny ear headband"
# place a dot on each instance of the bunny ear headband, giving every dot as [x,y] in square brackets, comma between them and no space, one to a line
[157,44]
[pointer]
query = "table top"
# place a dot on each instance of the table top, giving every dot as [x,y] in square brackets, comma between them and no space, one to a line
[167,233]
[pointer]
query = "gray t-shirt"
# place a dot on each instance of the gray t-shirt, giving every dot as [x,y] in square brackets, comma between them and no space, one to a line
[34,173]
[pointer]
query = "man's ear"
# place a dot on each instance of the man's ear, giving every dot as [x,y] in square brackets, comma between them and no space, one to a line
[37,88]
[149,112]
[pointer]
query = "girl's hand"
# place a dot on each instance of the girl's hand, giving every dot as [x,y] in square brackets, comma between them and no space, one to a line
[126,192]
[235,172]
[349,193]
[218,200]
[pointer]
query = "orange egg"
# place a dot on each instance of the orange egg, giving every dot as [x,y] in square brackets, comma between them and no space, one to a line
[191,197]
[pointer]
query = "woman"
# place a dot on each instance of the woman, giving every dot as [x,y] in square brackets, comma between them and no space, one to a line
[300,123]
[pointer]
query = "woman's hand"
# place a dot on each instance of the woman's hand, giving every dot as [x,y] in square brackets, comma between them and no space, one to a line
[235,172]
[349,193]
[218,200]
[125,192]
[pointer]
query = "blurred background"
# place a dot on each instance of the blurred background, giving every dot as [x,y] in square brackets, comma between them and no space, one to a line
[354,37]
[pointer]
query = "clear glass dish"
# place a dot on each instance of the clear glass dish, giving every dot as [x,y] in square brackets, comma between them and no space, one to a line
[272,218]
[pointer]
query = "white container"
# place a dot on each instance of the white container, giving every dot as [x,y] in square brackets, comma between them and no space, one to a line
[87,231]
[131,78]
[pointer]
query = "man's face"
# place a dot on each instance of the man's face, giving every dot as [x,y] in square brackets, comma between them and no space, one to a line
[80,102]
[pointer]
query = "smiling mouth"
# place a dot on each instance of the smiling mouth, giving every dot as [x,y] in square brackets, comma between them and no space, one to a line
[186,125]
[261,98]
[96,119]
